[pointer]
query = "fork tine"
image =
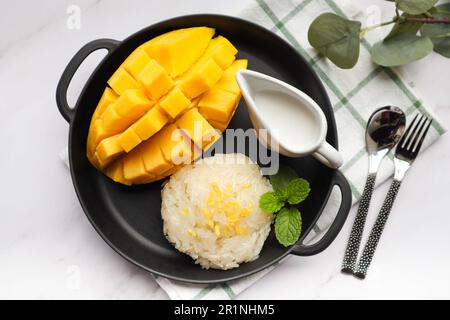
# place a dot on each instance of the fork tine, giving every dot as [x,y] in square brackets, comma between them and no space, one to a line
[410,141]
[422,138]
[405,134]
[416,138]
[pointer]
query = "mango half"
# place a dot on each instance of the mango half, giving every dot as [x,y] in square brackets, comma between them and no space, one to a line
[167,103]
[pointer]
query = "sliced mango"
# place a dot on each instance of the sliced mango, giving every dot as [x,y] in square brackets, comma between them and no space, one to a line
[201,79]
[115,172]
[142,129]
[222,51]
[108,149]
[217,104]
[167,103]
[136,62]
[96,134]
[121,80]
[133,104]
[174,103]
[155,80]
[108,97]
[195,126]
[126,110]
[177,53]
[153,158]
[150,123]
[218,125]
[149,46]
[175,146]
[228,81]
[133,168]
[129,139]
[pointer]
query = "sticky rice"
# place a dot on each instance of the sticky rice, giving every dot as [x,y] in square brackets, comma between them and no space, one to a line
[210,211]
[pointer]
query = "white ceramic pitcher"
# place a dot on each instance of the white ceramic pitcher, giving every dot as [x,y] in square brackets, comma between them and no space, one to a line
[294,123]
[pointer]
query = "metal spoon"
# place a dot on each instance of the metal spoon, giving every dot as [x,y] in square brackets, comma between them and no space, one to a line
[384,129]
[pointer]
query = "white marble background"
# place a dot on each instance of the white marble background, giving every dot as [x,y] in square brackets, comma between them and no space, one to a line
[48,248]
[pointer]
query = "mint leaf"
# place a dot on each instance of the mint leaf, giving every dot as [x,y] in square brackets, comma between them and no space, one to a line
[270,202]
[282,194]
[281,179]
[298,189]
[288,225]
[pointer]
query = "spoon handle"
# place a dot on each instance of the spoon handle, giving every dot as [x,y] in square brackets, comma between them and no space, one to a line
[377,230]
[351,252]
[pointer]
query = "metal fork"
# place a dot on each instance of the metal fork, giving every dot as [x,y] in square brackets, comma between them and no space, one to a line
[406,152]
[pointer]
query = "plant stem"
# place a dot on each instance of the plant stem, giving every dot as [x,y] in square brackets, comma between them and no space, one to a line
[431,20]
[370,28]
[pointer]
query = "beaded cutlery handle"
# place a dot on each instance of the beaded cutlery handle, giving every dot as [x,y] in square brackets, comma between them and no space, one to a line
[351,252]
[377,230]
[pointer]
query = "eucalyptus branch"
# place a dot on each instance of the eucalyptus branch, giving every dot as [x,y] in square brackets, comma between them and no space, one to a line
[419,28]
[382,24]
[431,20]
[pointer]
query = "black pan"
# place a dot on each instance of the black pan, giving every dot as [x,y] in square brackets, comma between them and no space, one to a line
[128,218]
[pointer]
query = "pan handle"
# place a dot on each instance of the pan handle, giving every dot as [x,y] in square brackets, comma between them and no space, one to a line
[346,203]
[63,84]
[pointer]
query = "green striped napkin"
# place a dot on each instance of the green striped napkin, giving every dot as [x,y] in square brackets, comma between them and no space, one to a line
[354,94]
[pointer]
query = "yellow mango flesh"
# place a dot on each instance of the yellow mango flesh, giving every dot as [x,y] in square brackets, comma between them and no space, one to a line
[217,104]
[155,80]
[129,107]
[197,128]
[121,80]
[142,129]
[108,97]
[108,149]
[174,103]
[178,52]
[228,81]
[136,62]
[165,105]
[201,79]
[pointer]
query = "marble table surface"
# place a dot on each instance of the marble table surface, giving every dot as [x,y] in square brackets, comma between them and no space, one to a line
[49,250]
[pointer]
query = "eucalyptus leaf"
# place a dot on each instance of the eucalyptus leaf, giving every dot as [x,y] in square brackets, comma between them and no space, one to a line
[337,38]
[415,6]
[404,27]
[439,33]
[402,49]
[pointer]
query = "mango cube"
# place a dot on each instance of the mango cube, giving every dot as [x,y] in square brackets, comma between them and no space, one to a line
[177,54]
[133,168]
[126,110]
[115,172]
[143,129]
[136,62]
[150,123]
[149,46]
[133,104]
[128,139]
[222,51]
[153,158]
[174,103]
[155,80]
[197,128]
[218,125]
[176,147]
[108,97]
[217,104]
[121,80]
[109,149]
[228,81]
[201,80]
